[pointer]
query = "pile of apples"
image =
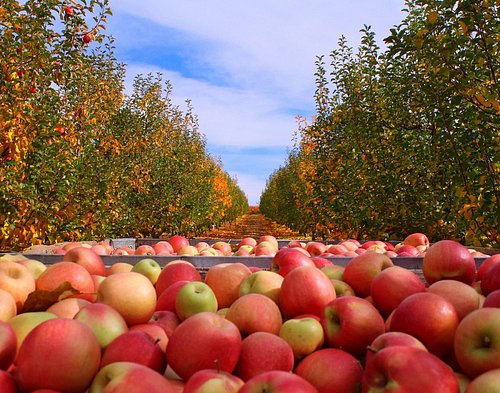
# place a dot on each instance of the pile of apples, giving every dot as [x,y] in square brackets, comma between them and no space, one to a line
[304,324]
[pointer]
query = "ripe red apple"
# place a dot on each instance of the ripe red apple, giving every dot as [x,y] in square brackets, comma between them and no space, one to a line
[305,289]
[87,258]
[487,382]
[360,271]
[177,270]
[168,320]
[166,301]
[338,249]
[393,285]
[17,280]
[68,307]
[331,370]
[406,250]
[8,307]
[265,282]
[156,332]
[145,249]
[491,280]
[194,297]
[342,288]
[223,247]
[204,340]
[61,354]
[477,341]
[416,239]
[131,294]
[277,382]
[320,261]
[211,380]
[448,259]
[492,299]
[135,346]
[247,241]
[177,241]
[225,279]
[262,352]
[464,298]
[408,370]
[255,313]
[188,250]
[389,339]
[8,345]
[8,383]
[288,259]
[430,318]
[351,323]
[265,248]
[270,239]
[485,265]
[315,248]
[163,247]
[334,271]
[304,334]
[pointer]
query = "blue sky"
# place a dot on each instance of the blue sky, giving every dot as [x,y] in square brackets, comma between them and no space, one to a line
[247,66]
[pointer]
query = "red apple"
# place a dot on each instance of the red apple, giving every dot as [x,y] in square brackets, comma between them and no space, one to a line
[168,320]
[156,332]
[262,352]
[8,307]
[188,250]
[430,318]
[389,339]
[204,340]
[223,247]
[334,271]
[491,280]
[163,247]
[492,299]
[265,282]
[448,259]
[255,313]
[177,270]
[407,369]
[485,265]
[166,300]
[315,248]
[145,249]
[464,298]
[305,289]
[68,307]
[61,354]
[35,266]
[331,370]
[338,249]
[265,248]
[248,241]
[416,239]
[211,380]
[406,250]
[225,279]
[87,258]
[277,382]
[118,267]
[342,288]
[351,323]
[17,280]
[270,239]
[8,383]
[177,241]
[8,345]
[288,259]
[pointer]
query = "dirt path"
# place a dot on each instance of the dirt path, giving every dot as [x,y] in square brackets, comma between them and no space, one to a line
[252,224]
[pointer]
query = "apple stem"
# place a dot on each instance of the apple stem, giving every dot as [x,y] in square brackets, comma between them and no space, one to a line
[217,365]
[371,349]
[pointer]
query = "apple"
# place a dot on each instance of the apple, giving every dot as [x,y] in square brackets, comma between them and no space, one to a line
[331,370]
[176,270]
[149,268]
[194,297]
[61,354]
[296,243]
[448,259]
[145,249]
[305,289]
[407,369]
[333,271]
[204,340]
[166,301]
[129,377]
[163,247]
[388,339]
[188,250]
[123,251]
[106,322]
[255,313]
[338,249]
[492,299]
[68,307]
[351,323]
[320,261]
[8,306]
[102,249]
[303,334]
[416,239]
[360,271]
[265,282]
[223,247]
[477,341]
[87,258]
[342,288]
[430,318]
[315,248]
[8,344]
[200,246]
[486,264]
[73,273]
[277,381]
[118,267]
[8,383]
[491,280]
[487,382]
[269,239]
[245,251]
[69,245]
[156,332]
[225,279]
[261,352]
[34,266]
[247,241]
[464,298]
[393,285]
[168,320]
[406,250]
[288,259]
[211,380]
[135,346]
[178,241]
[17,280]
[131,294]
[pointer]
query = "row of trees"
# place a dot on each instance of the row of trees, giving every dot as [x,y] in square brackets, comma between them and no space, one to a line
[79,158]
[406,139]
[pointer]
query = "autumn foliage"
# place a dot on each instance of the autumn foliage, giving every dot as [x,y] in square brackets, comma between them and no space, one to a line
[405,139]
[81,158]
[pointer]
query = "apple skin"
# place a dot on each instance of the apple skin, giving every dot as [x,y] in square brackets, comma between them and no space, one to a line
[225,279]
[485,265]
[106,322]
[210,380]
[491,280]
[204,340]
[305,289]
[255,313]
[168,320]
[17,280]
[34,266]
[351,323]
[163,247]
[277,381]
[265,282]
[334,272]
[287,259]
[407,369]
[8,306]
[393,285]
[265,248]
[448,259]
[315,248]
[360,271]
[87,258]
[156,331]
[487,382]
[129,377]
[149,268]
[135,346]
[166,301]
[477,341]
[492,299]
[270,239]
[119,267]
[342,288]
[145,249]
[61,354]
[223,247]
[68,307]
[173,271]
[304,334]
[430,318]
[8,383]
[464,298]
[194,297]
[416,239]
[129,293]
[262,352]
[388,339]
[8,344]
[331,370]
[178,241]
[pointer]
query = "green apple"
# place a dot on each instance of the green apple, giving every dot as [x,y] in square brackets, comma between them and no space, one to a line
[34,266]
[265,282]
[149,268]
[304,334]
[194,297]
[334,272]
